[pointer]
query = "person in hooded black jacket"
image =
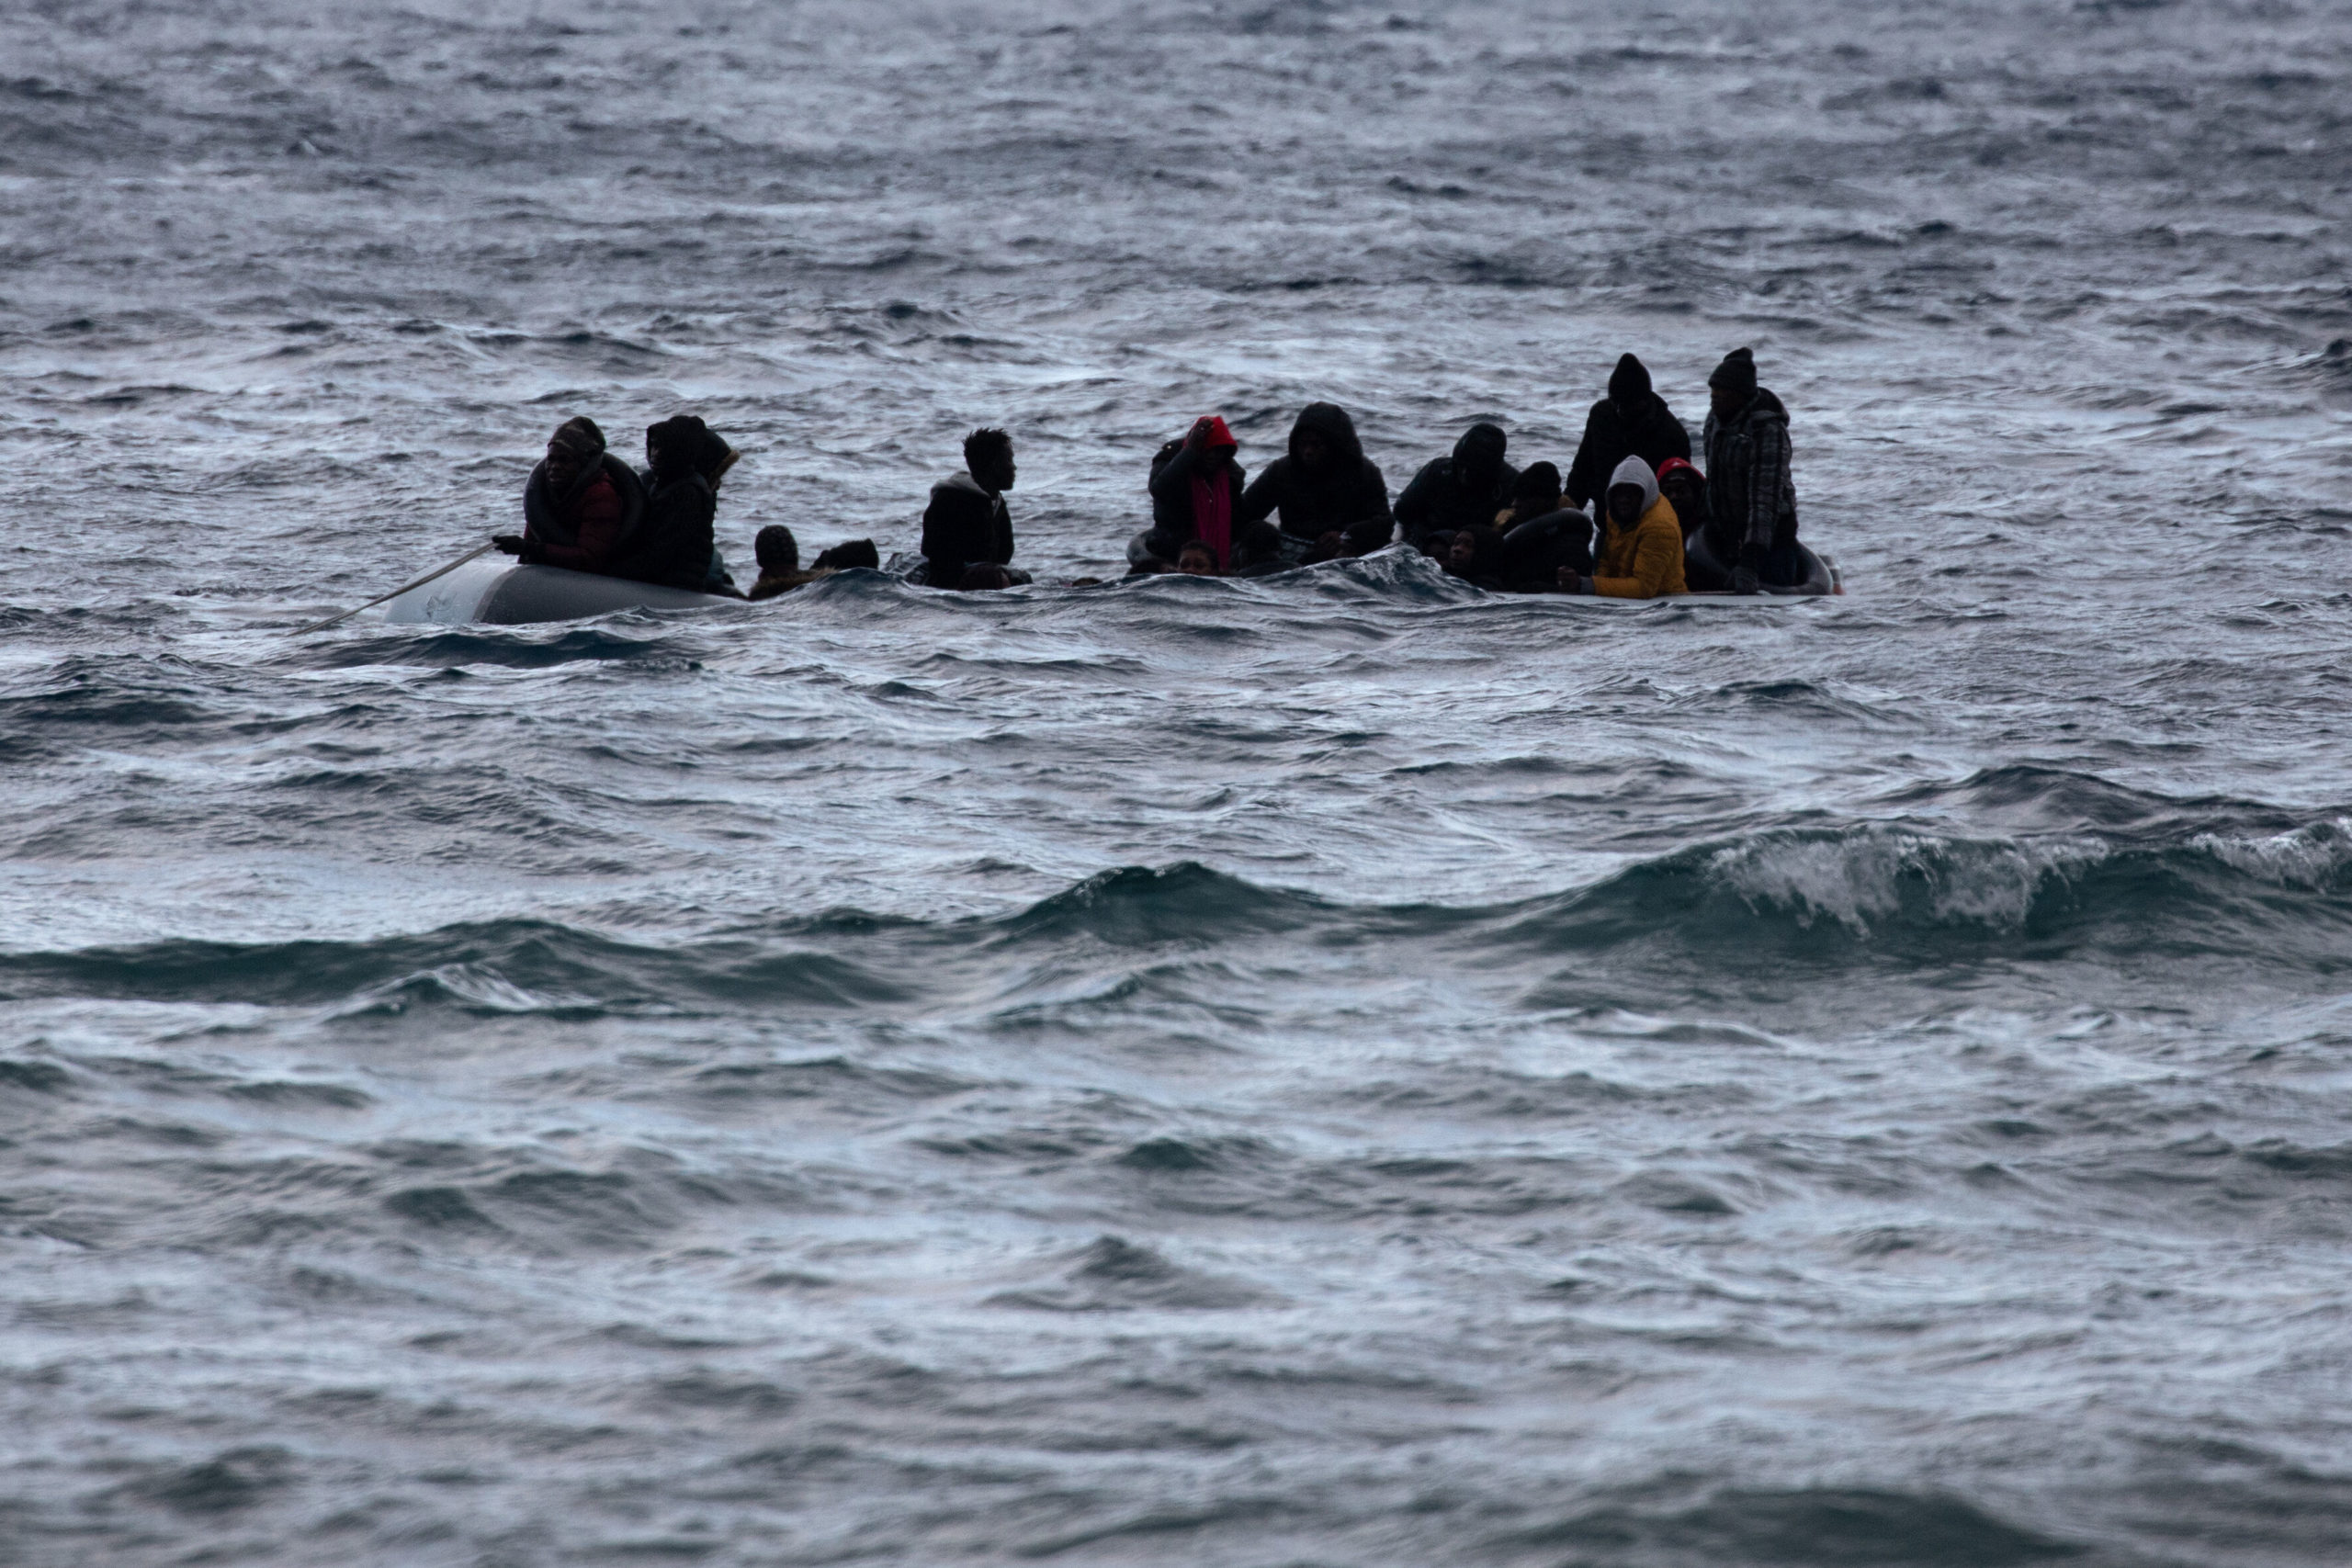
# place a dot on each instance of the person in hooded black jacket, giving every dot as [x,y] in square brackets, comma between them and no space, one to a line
[1324,485]
[1464,491]
[1633,421]
[674,547]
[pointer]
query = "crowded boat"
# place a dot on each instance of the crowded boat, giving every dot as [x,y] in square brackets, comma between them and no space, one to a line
[1639,513]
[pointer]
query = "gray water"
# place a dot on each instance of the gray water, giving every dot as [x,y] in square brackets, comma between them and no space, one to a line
[1331,1069]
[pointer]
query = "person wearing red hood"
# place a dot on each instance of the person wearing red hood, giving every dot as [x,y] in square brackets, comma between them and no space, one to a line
[1196,493]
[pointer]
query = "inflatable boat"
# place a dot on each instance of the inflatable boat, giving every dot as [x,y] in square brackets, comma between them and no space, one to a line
[1701,566]
[500,592]
[1821,573]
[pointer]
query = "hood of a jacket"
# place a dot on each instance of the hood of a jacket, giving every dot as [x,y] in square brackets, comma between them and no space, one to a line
[1629,384]
[1478,456]
[1331,423]
[1633,471]
[964,481]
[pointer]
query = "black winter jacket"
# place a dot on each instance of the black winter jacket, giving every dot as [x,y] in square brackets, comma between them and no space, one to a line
[674,545]
[964,523]
[1650,431]
[1464,491]
[1751,499]
[1347,493]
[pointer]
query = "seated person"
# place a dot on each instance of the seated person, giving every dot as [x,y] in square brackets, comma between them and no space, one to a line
[1323,484]
[1195,492]
[1537,494]
[1475,555]
[1641,541]
[1258,550]
[778,554]
[582,505]
[675,546]
[1685,489]
[1197,559]
[779,557]
[968,523]
[1544,538]
[1460,491]
[850,555]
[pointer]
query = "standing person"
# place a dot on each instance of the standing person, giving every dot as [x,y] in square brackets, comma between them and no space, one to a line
[1463,491]
[1633,421]
[1641,541]
[1195,493]
[1324,485]
[968,523]
[1751,497]
[580,506]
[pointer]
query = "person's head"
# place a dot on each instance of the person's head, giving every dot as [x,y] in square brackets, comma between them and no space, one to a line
[1732,387]
[1478,456]
[1472,548]
[1633,491]
[682,444]
[1438,544]
[1255,544]
[1324,435]
[777,550]
[1537,491]
[1196,560]
[1628,385]
[851,553]
[1684,487]
[1214,437]
[572,450]
[982,576]
[987,456]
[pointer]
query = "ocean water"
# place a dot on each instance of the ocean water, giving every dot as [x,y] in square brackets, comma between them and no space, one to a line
[1326,1070]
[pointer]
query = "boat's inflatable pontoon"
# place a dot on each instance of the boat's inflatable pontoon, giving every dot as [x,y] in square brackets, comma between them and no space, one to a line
[1700,565]
[500,592]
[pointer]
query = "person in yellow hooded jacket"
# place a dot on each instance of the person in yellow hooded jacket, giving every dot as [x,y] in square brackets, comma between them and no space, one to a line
[1639,553]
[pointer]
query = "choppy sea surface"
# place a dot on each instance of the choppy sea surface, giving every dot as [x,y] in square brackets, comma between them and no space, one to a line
[1334,1069]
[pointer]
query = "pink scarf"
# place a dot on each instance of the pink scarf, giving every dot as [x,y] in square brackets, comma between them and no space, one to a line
[1213,516]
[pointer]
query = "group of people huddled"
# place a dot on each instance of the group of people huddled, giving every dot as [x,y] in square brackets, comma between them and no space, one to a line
[1660,525]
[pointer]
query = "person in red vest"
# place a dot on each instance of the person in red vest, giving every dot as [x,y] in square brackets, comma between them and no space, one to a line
[582,505]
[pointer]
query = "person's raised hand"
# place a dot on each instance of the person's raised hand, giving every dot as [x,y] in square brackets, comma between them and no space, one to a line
[1197,438]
